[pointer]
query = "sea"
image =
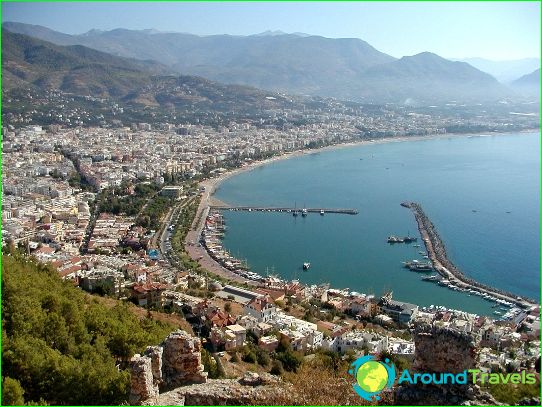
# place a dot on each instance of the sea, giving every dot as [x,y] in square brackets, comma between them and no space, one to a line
[482,193]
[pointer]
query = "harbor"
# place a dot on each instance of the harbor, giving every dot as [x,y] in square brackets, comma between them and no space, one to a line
[450,275]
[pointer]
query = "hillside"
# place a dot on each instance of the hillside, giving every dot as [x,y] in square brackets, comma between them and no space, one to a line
[528,84]
[291,63]
[27,61]
[343,68]
[427,77]
[62,346]
[504,71]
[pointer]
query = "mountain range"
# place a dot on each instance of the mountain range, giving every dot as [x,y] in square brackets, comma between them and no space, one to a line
[528,84]
[345,68]
[76,69]
[504,71]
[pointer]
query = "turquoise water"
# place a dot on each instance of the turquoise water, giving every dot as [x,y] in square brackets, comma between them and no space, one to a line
[481,193]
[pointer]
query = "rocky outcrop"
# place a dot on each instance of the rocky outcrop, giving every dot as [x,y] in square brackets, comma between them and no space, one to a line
[182,360]
[444,350]
[155,354]
[435,395]
[222,392]
[142,383]
[176,362]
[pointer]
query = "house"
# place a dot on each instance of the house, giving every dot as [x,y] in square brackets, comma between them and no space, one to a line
[218,318]
[229,337]
[401,312]
[268,343]
[261,308]
[236,336]
[148,294]
[295,339]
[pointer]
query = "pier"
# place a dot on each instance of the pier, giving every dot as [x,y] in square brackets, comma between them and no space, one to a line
[436,252]
[288,210]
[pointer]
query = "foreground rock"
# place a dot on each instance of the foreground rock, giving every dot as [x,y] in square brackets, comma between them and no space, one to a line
[443,350]
[223,392]
[176,362]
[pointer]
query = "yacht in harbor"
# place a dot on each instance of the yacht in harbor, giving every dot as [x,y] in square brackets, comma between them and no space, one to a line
[306,265]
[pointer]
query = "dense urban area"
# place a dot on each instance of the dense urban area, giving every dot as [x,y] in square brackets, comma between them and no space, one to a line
[116,201]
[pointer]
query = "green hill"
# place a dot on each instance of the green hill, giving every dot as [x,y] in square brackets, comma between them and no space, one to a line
[62,346]
[29,62]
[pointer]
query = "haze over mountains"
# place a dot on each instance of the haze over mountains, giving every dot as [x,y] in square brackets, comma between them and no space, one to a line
[76,69]
[504,71]
[296,63]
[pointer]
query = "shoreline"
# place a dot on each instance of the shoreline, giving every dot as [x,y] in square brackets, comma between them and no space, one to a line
[211,186]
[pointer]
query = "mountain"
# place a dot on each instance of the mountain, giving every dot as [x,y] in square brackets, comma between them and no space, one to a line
[504,71]
[343,68]
[27,61]
[429,78]
[282,62]
[528,84]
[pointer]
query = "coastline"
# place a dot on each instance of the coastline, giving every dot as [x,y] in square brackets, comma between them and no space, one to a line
[211,186]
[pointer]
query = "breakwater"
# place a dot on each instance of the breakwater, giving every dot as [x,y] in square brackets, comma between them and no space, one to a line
[436,251]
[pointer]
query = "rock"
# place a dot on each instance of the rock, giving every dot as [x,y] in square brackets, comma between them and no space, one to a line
[444,350]
[155,354]
[532,401]
[142,386]
[220,392]
[181,360]
[251,379]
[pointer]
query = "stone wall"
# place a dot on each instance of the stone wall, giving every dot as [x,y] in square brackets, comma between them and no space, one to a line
[444,350]
[182,360]
[221,392]
[176,362]
[142,386]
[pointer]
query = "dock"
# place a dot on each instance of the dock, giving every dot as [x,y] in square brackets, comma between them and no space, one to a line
[284,209]
[444,266]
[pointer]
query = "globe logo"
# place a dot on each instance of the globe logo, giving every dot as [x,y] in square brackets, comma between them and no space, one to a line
[372,376]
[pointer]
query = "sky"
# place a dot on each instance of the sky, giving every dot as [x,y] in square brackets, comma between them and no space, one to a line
[493,30]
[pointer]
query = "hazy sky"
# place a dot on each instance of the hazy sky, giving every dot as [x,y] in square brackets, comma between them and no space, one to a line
[494,30]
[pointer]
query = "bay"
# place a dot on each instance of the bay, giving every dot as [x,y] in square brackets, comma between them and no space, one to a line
[481,192]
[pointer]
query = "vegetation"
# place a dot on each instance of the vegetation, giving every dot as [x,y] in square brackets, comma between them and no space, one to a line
[510,394]
[61,346]
[154,211]
[116,200]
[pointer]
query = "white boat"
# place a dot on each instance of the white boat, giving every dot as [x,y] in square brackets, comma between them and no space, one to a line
[306,266]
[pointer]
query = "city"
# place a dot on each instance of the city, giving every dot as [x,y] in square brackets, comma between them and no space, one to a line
[117,284]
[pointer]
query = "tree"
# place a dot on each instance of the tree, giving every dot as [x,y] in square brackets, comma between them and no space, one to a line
[227,307]
[277,368]
[12,392]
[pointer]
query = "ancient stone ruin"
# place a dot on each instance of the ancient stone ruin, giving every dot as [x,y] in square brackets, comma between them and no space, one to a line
[443,350]
[172,374]
[176,362]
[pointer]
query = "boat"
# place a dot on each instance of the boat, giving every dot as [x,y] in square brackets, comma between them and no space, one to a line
[394,239]
[433,277]
[295,210]
[304,212]
[416,265]
[409,239]
[322,212]
[306,265]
